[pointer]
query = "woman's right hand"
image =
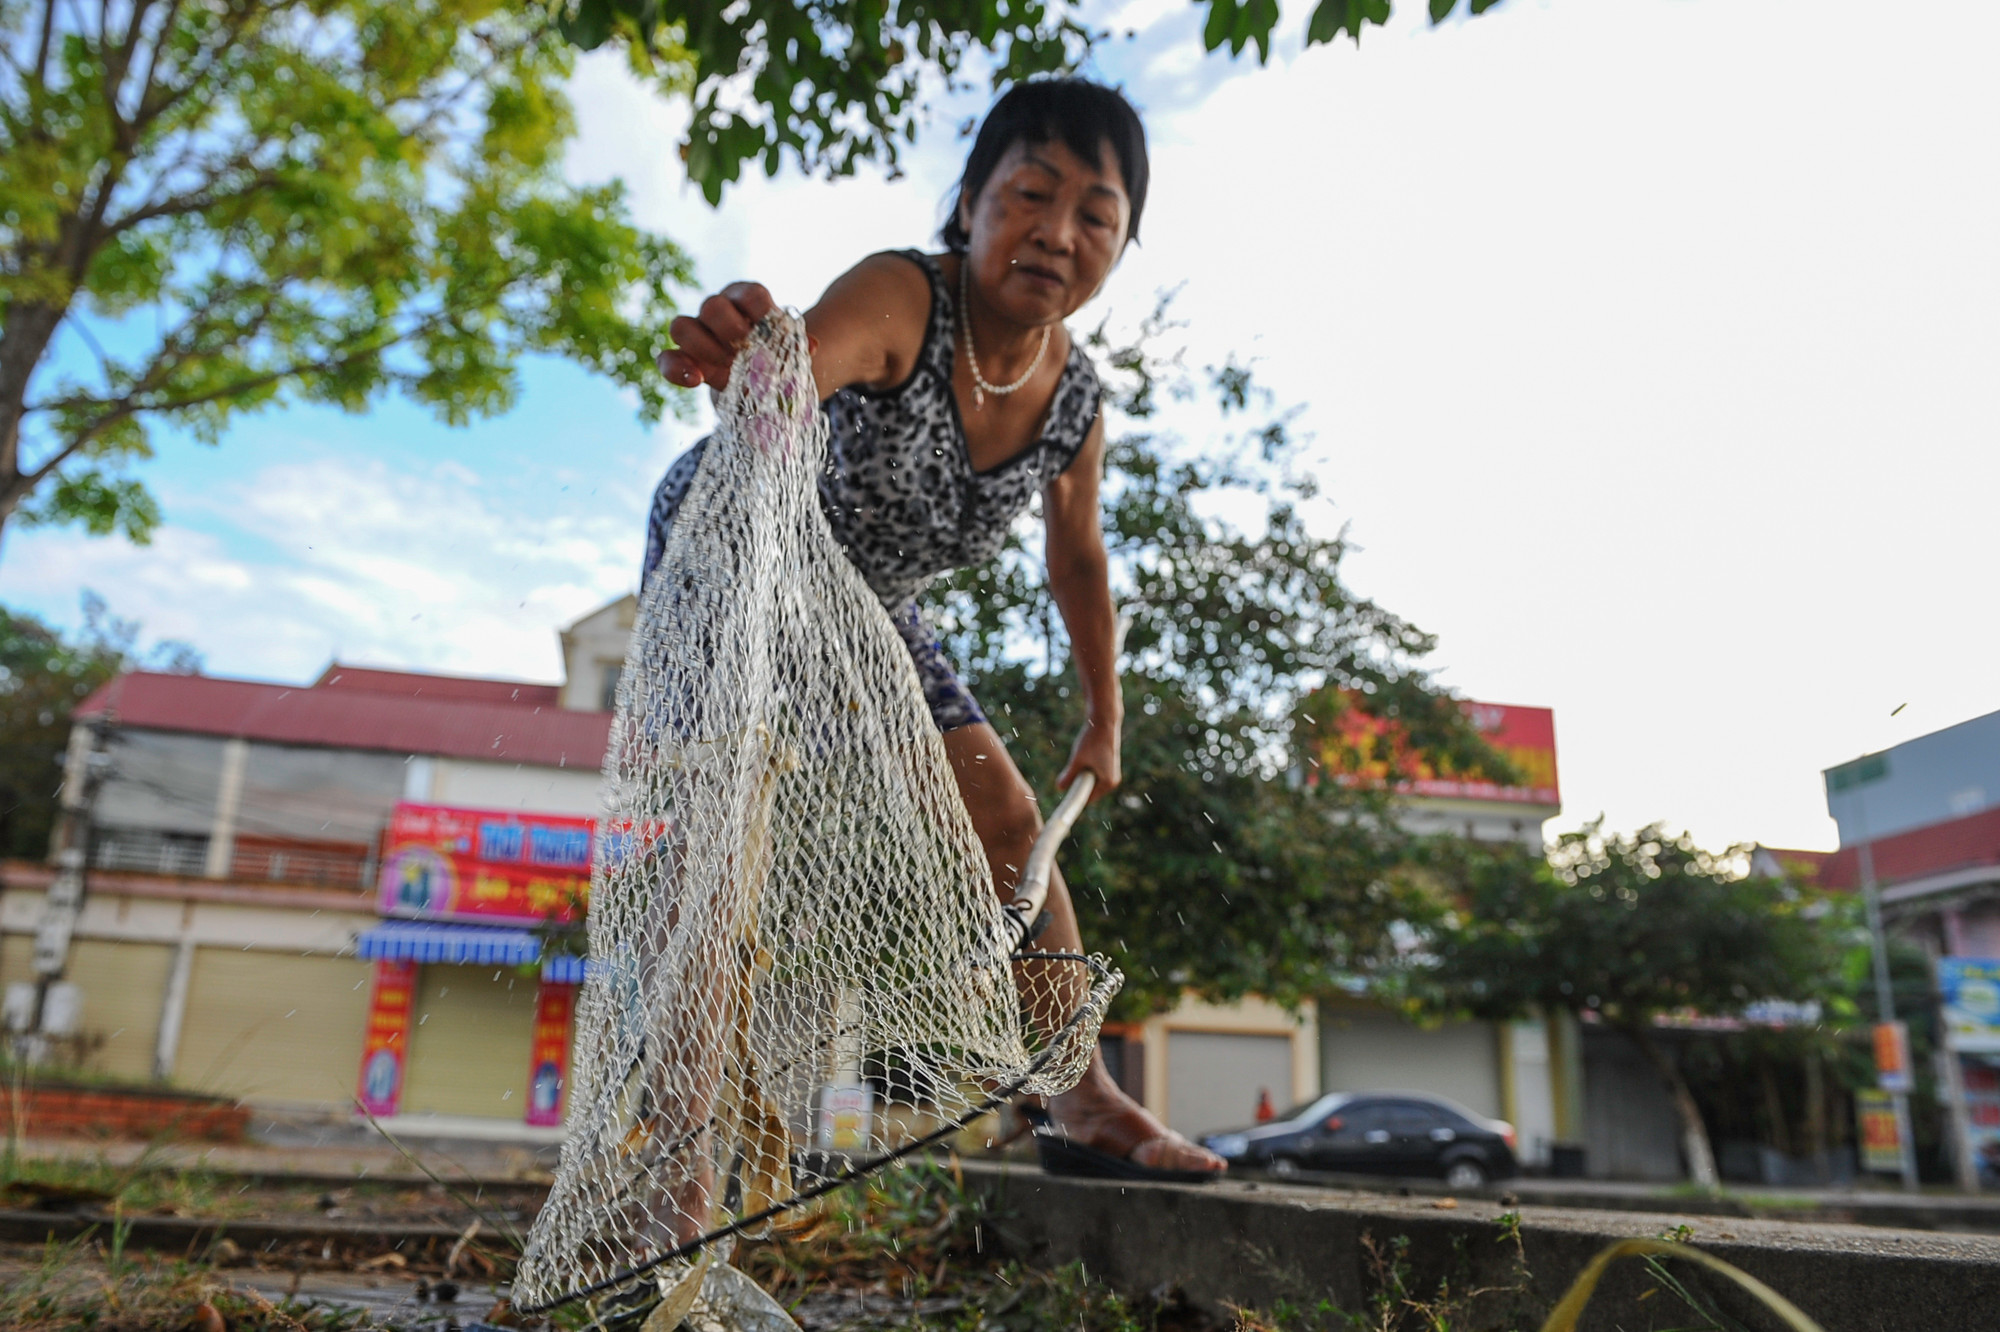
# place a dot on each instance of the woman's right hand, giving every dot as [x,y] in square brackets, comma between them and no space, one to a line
[705,344]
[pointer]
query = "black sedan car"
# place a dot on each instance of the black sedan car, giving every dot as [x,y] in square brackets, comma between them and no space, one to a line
[1377,1133]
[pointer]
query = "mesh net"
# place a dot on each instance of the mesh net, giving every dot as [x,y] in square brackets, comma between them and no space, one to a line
[799,965]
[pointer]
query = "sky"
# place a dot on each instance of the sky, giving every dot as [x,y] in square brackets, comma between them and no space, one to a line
[1647,350]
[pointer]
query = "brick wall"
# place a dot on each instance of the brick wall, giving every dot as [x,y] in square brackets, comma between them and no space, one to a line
[91,1112]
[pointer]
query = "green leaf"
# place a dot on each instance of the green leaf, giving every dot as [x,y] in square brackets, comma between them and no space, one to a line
[1333,17]
[102,504]
[1221,23]
[342,199]
[1441,10]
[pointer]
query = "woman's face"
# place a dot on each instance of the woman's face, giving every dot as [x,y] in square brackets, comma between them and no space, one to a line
[1045,230]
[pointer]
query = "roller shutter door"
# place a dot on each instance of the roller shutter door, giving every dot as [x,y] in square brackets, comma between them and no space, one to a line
[274,1027]
[123,985]
[1213,1078]
[469,1043]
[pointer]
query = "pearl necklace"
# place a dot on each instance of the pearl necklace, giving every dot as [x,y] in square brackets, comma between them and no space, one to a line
[980,388]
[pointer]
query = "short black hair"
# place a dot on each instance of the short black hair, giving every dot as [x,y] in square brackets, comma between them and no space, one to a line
[1080,114]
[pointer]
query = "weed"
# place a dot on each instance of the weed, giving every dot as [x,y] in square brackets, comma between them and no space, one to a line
[90,1283]
[139,1187]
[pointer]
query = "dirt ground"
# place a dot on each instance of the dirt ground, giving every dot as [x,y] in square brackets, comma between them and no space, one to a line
[907,1250]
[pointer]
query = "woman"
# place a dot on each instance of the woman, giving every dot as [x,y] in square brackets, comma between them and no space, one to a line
[953,392]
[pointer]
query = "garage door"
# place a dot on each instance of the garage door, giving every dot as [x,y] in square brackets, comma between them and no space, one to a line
[469,1043]
[123,985]
[1213,1078]
[1364,1049]
[273,1026]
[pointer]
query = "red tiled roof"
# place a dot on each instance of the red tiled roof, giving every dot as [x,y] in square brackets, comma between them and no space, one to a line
[462,688]
[1934,849]
[342,717]
[1805,866]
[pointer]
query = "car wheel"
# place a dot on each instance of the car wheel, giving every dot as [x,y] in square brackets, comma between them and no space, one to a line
[1464,1174]
[1284,1167]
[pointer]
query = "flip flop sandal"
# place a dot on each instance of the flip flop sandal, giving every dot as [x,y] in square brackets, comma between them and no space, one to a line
[1062,1156]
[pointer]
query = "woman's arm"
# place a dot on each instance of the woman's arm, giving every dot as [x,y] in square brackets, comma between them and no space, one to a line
[867,329]
[1080,578]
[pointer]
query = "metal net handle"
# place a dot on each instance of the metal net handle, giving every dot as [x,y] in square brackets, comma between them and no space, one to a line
[1024,914]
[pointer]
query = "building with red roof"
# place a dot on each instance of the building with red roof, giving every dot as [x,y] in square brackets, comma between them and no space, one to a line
[1921,823]
[284,880]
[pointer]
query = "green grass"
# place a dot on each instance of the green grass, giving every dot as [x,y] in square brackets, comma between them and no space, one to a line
[136,1187]
[92,1284]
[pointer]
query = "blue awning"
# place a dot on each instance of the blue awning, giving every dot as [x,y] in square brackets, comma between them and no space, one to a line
[564,970]
[426,941]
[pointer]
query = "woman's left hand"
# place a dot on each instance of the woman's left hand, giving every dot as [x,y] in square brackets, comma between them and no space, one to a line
[1096,749]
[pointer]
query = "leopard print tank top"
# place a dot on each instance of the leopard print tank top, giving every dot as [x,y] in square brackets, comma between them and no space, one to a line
[900,491]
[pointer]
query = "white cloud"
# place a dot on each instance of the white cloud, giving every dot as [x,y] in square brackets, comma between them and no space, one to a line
[362,562]
[1648,346]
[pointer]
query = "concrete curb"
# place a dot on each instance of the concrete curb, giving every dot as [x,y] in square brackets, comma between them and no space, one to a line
[1255,1245]
[1902,1211]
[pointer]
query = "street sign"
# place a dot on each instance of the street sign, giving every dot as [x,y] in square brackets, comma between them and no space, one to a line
[1881,1131]
[1892,1057]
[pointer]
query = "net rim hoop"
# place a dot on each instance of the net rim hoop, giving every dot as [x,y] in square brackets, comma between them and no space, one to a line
[1100,970]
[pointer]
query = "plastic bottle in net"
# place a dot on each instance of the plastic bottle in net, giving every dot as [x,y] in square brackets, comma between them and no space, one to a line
[799,967]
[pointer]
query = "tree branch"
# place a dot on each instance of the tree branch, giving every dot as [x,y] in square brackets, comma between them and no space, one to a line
[183,204]
[42,44]
[197,75]
[135,124]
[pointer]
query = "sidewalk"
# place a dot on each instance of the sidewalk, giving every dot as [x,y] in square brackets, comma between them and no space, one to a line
[332,1151]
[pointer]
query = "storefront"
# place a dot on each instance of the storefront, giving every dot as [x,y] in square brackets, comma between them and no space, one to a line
[471,1013]
[1970,990]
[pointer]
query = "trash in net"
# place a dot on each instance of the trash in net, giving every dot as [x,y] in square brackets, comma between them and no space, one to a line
[799,966]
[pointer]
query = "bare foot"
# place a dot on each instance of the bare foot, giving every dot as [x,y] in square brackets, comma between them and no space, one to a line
[1098,1114]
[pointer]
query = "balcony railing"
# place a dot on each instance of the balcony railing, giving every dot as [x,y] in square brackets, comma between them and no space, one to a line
[254,860]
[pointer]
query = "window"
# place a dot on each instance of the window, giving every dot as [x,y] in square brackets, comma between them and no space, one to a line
[1414,1119]
[607,695]
[1356,1122]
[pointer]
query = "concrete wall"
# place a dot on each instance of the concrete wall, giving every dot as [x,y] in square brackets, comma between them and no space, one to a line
[473,785]
[1250,1245]
[162,783]
[315,794]
[594,651]
[1527,1089]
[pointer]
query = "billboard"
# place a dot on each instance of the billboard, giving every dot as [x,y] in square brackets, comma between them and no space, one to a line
[1970,990]
[1360,748]
[1881,1131]
[442,863]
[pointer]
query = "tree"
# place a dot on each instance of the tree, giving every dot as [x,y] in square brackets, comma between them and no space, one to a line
[1632,928]
[832,83]
[1214,870]
[42,679]
[316,200]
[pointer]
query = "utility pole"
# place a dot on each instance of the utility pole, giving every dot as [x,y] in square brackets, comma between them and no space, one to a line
[86,766]
[1885,1003]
